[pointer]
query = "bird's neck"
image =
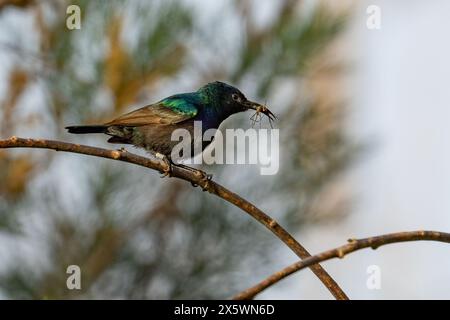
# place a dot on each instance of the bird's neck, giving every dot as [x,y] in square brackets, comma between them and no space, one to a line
[212,116]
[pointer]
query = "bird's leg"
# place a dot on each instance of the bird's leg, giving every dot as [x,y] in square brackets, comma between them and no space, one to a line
[185,167]
[206,177]
[167,172]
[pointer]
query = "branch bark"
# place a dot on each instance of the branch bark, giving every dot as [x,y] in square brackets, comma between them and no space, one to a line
[339,252]
[196,177]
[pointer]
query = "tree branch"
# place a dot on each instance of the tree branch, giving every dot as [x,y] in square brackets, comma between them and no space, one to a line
[340,252]
[196,177]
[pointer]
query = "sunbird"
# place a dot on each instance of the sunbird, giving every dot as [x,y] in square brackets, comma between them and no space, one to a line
[151,127]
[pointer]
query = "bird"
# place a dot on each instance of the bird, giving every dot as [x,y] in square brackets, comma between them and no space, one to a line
[151,126]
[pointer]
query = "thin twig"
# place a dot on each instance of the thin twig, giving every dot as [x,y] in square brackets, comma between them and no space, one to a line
[196,177]
[340,252]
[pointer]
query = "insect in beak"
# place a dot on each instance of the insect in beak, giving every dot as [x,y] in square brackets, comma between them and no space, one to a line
[256,117]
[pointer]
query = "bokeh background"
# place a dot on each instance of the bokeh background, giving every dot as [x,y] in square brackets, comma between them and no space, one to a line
[364,149]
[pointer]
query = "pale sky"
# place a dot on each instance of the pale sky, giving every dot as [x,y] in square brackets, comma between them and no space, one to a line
[400,98]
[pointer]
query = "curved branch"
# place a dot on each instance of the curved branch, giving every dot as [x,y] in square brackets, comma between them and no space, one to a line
[340,252]
[196,177]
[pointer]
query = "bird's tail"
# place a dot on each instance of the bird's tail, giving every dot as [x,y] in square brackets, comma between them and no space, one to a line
[87,129]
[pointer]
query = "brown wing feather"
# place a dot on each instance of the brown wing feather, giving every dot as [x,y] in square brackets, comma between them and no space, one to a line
[152,114]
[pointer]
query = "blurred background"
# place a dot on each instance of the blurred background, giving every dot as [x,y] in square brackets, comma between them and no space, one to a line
[363,122]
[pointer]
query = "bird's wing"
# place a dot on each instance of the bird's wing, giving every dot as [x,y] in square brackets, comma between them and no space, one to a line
[167,111]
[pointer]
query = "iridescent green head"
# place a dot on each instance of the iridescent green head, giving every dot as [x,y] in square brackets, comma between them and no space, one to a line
[227,97]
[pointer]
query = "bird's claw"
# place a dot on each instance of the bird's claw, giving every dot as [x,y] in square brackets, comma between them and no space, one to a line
[205,178]
[167,171]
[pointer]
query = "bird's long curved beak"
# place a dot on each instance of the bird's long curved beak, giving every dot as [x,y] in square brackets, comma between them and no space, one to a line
[253,105]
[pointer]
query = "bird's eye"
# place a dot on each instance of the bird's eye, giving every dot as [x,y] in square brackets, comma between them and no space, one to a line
[235,97]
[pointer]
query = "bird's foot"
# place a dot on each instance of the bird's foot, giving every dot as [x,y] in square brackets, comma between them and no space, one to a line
[204,178]
[167,171]
[202,175]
